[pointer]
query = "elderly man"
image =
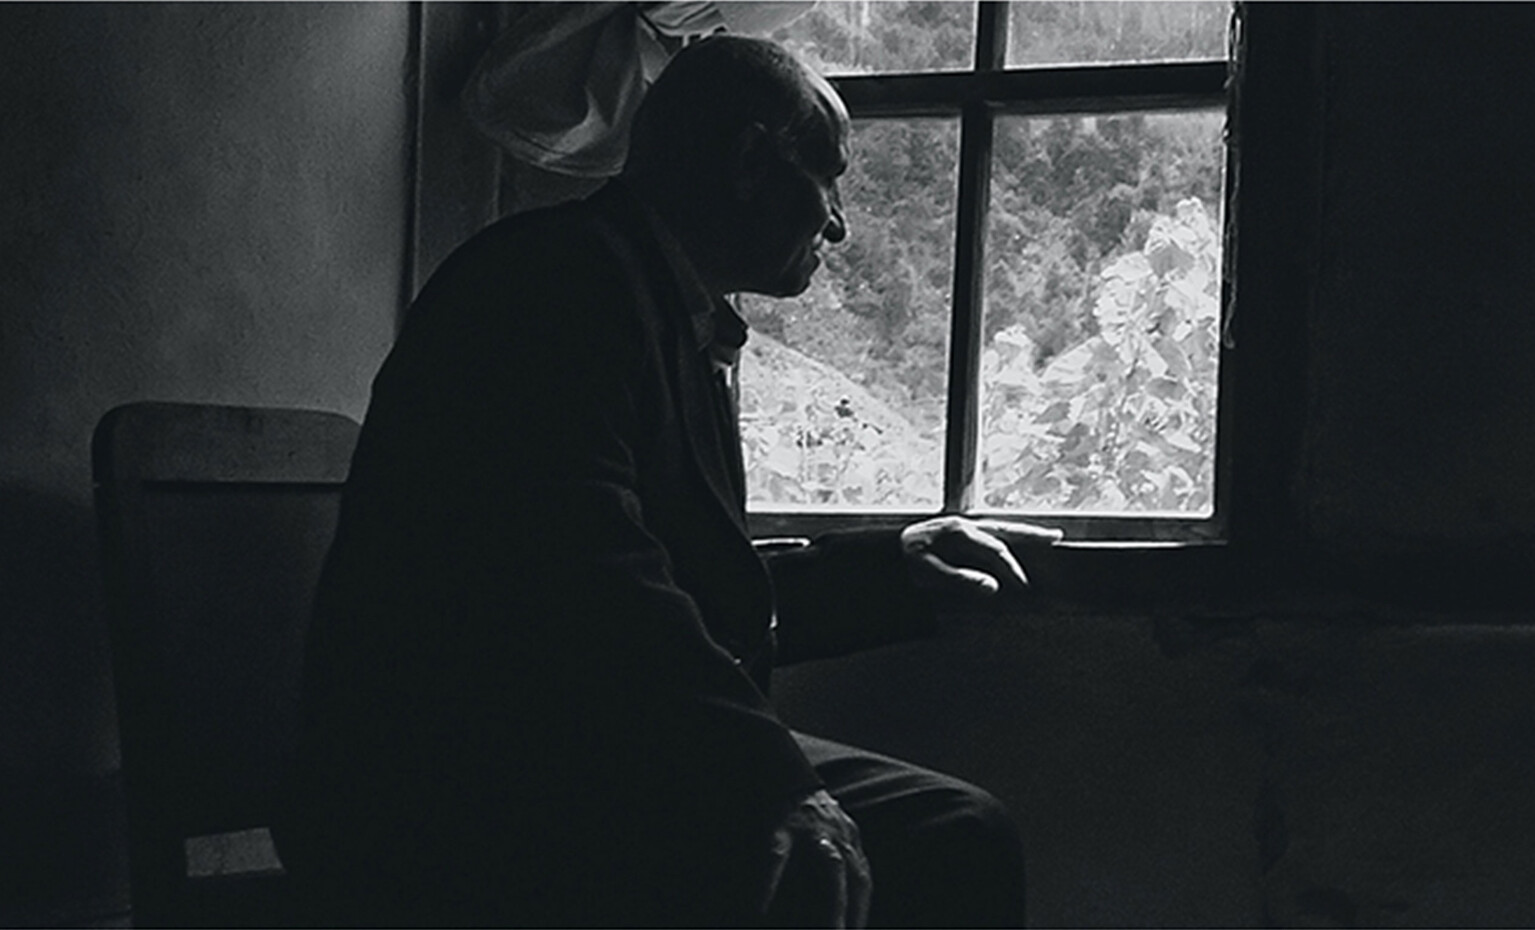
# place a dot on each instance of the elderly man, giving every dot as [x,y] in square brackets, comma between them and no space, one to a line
[535,689]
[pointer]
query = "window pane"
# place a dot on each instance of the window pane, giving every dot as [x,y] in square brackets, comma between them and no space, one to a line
[880,36]
[843,388]
[1102,314]
[1106,31]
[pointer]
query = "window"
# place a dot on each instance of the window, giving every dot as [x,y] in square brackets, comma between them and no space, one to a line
[1025,320]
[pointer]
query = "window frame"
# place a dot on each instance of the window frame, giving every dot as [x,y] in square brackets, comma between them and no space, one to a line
[978,97]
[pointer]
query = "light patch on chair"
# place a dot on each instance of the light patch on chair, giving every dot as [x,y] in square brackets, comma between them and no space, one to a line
[243,852]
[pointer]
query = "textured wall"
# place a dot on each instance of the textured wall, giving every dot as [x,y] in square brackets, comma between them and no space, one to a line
[1422,337]
[1325,765]
[1133,778]
[201,202]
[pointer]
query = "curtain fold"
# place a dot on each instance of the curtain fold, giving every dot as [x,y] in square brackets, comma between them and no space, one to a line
[558,89]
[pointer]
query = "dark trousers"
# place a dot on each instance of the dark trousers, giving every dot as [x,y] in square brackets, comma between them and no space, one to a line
[942,852]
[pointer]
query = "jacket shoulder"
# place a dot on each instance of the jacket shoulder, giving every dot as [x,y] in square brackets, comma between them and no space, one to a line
[569,269]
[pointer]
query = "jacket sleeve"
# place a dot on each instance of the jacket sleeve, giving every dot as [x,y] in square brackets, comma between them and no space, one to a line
[846,592]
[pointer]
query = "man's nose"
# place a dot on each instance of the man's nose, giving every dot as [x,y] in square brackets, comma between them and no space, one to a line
[836,223]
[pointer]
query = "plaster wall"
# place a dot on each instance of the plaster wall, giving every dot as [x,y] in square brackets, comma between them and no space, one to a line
[1325,765]
[201,202]
[1421,334]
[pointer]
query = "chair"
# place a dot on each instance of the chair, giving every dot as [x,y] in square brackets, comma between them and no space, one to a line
[214,523]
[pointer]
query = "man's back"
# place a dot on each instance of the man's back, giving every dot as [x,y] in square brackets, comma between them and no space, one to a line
[505,668]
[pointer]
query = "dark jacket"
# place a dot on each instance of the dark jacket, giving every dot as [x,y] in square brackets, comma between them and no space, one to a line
[543,629]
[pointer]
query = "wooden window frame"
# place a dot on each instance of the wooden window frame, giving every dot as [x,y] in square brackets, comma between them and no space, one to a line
[977,98]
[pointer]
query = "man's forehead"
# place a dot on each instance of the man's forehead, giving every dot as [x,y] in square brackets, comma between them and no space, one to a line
[831,145]
[830,101]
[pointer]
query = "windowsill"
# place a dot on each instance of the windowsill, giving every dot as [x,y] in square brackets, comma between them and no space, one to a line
[1221,579]
[1173,565]
[1133,545]
[1121,531]
[1144,562]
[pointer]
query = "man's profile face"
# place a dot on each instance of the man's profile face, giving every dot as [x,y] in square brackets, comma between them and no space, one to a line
[801,208]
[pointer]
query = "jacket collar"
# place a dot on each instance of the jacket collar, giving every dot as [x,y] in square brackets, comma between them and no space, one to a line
[711,328]
[715,324]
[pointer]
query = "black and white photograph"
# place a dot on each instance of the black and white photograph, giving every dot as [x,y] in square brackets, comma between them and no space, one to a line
[797,463]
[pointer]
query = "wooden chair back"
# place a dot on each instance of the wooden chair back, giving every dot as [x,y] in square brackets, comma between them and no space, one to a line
[214,523]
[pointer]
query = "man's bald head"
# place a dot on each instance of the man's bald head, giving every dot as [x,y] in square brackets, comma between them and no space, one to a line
[714,89]
[738,148]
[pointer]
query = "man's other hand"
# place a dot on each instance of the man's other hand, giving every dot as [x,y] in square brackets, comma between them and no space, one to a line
[957,555]
[818,876]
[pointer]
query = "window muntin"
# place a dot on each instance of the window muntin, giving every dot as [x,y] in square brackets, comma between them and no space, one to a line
[990,100]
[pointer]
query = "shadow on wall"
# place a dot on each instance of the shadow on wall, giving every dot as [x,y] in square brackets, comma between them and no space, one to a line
[61,821]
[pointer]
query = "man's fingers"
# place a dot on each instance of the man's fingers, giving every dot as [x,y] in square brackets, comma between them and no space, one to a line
[957,577]
[860,889]
[837,873]
[973,559]
[1023,534]
[818,876]
[1001,558]
[973,556]
[852,886]
[814,888]
[824,892]
[782,849]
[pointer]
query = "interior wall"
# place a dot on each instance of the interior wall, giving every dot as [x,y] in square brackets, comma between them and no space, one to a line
[202,202]
[1422,338]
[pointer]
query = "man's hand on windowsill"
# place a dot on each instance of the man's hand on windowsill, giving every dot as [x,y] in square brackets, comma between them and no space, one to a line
[952,556]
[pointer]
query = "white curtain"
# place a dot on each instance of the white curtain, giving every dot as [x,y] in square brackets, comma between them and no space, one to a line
[559,88]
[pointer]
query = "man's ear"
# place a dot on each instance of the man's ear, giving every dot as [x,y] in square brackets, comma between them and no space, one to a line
[752,155]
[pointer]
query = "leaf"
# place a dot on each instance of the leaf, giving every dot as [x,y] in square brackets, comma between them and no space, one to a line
[1054,413]
[1182,440]
[1165,388]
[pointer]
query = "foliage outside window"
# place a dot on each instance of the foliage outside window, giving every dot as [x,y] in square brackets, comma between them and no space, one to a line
[1061,294]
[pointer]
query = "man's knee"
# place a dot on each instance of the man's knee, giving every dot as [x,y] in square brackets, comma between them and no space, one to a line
[973,817]
[975,850]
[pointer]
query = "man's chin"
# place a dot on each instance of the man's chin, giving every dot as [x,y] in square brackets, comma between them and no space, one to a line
[796,280]
[786,286]
[796,289]
[792,281]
